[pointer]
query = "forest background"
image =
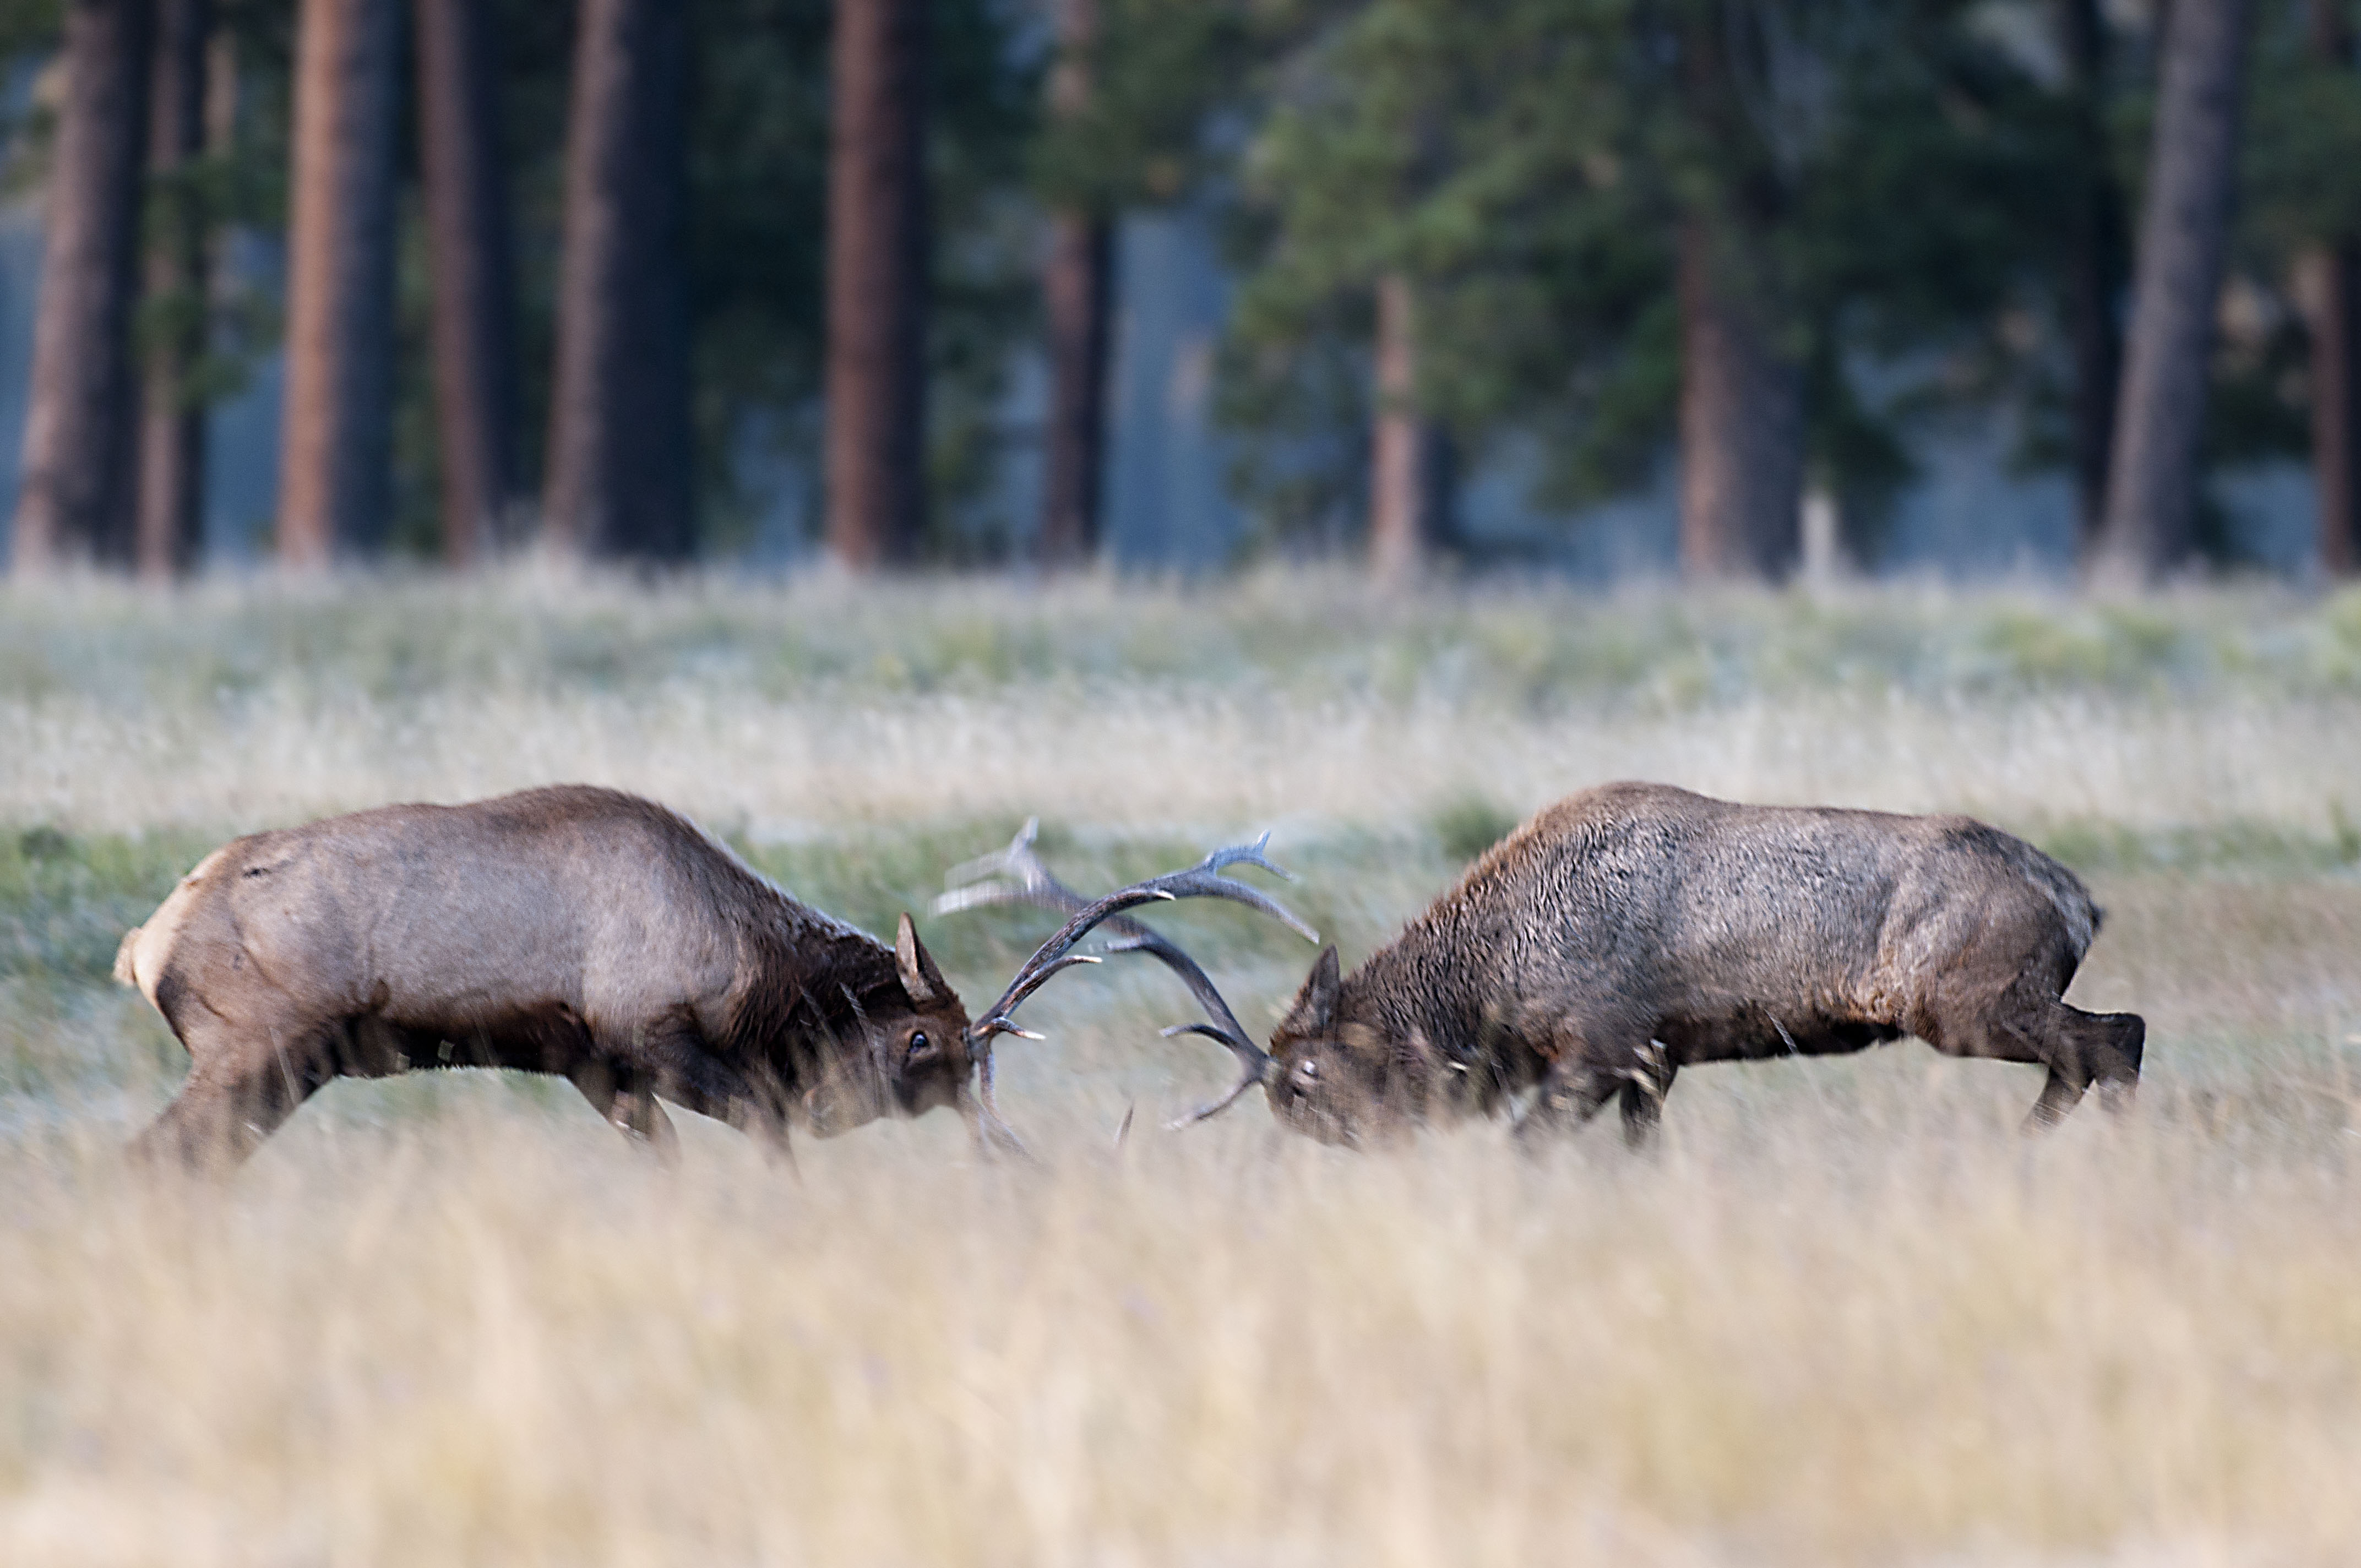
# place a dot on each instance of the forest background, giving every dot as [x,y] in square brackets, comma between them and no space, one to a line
[659,282]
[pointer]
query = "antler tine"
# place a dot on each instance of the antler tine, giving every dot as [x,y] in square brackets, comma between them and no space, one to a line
[1251,1078]
[1254,1062]
[1035,884]
[1249,855]
[1209,870]
[1018,877]
[971,887]
[1017,857]
[1029,880]
[991,1132]
[1032,883]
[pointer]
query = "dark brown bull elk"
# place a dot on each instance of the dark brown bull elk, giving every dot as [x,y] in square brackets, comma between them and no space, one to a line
[568,930]
[1635,929]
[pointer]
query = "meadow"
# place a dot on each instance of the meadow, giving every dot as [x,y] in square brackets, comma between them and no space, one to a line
[1841,1314]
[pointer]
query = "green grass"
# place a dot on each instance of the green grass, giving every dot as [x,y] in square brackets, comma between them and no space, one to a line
[1309,636]
[67,898]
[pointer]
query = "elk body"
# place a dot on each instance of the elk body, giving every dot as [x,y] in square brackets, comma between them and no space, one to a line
[568,930]
[1633,930]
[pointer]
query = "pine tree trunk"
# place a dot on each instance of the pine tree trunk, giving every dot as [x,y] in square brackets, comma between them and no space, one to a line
[621,461]
[877,283]
[336,447]
[1742,427]
[1078,293]
[2329,282]
[1406,450]
[2095,266]
[76,500]
[1742,401]
[473,274]
[2151,519]
[170,523]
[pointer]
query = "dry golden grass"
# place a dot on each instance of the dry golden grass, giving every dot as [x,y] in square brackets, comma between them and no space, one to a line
[1842,1314]
[1851,1321]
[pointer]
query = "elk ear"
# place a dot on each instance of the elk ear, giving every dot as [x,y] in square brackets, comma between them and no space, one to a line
[920,978]
[1315,1004]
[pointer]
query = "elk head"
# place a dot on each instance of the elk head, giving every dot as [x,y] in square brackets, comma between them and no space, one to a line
[1016,875]
[915,1057]
[1340,1080]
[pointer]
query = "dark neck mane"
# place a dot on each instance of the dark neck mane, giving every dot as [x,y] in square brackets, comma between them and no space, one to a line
[821,987]
[1422,986]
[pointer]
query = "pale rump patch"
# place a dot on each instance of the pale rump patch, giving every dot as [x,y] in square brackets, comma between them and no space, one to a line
[147,948]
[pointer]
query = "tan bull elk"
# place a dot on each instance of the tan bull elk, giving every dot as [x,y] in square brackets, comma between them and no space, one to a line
[1635,929]
[568,930]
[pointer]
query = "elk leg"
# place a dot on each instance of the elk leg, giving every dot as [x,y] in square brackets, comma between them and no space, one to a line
[1572,1091]
[630,1108]
[2119,1058]
[239,1091]
[2079,1048]
[669,1056]
[1641,1098]
[2085,1049]
[642,1116]
[1596,1055]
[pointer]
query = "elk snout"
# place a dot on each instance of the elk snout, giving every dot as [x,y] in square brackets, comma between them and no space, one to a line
[1307,1097]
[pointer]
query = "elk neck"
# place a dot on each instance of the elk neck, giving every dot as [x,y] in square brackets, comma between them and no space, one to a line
[813,987]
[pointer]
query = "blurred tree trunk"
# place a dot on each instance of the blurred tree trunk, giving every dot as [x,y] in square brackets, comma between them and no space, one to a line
[472,271]
[170,523]
[336,446]
[1078,295]
[75,502]
[621,461]
[2095,264]
[1741,426]
[1408,465]
[877,283]
[2151,518]
[2329,282]
[1742,401]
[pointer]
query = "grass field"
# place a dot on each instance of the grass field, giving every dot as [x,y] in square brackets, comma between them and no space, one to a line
[1841,1314]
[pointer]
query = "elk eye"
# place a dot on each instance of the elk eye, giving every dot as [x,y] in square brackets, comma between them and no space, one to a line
[918,1045]
[1308,1069]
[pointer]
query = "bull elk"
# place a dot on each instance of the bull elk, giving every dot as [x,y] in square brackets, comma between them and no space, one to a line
[567,931]
[1628,932]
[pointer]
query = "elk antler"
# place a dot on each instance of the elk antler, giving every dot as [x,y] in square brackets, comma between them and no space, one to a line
[1016,875]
